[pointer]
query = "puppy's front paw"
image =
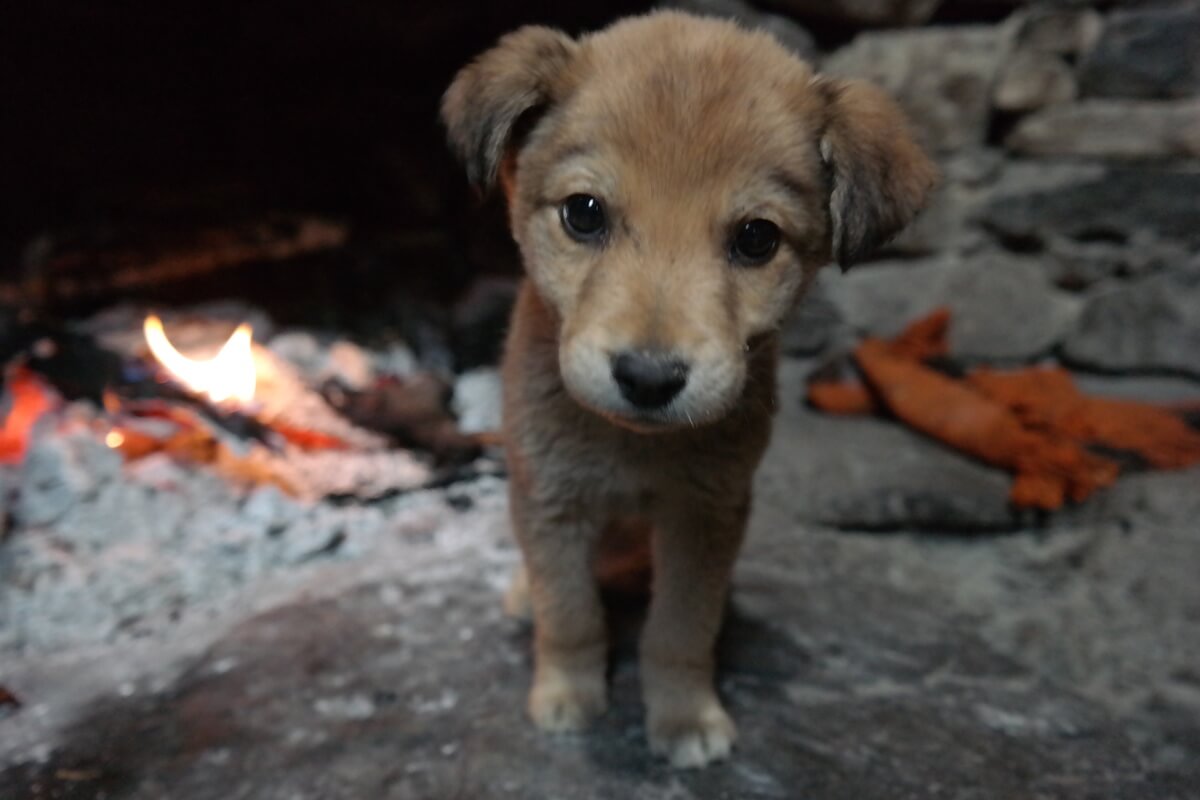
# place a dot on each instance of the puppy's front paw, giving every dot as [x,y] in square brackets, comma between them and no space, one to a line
[562,701]
[692,737]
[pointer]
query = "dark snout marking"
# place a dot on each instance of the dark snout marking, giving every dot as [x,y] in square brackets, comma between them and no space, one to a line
[649,379]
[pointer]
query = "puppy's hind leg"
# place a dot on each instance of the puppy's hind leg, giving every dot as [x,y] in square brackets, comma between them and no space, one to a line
[694,551]
[570,647]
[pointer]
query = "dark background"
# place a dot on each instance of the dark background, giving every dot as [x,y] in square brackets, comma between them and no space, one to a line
[133,124]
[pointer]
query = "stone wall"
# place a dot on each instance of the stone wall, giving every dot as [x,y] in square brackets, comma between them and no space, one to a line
[1069,135]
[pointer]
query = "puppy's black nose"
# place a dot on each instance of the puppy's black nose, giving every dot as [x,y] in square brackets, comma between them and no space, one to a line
[647,378]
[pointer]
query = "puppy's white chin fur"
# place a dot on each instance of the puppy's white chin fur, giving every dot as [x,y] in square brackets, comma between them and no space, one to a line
[711,394]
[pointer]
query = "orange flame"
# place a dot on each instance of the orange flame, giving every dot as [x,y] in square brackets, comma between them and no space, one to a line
[227,377]
[31,398]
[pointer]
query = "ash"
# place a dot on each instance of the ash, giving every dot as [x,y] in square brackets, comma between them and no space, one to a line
[100,550]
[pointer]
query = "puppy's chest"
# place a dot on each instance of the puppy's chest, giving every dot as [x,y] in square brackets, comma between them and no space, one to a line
[630,474]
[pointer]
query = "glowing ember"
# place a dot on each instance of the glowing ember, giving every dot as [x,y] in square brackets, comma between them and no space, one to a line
[30,400]
[227,377]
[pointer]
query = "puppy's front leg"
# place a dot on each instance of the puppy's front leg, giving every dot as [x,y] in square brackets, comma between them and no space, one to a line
[570,647]
[694,551]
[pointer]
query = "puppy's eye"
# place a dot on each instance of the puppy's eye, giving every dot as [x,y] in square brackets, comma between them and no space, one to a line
[583,217]
[754,243]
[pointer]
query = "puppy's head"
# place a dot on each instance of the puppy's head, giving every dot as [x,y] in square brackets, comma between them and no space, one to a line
[673,183]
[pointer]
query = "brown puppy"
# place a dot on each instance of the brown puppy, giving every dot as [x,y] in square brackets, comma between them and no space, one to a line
[673,184]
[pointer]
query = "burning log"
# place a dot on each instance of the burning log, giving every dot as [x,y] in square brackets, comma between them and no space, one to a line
[227,377]
[414,411]
[244,412]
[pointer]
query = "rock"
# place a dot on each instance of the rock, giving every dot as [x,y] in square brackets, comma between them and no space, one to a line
[871,13]
[1112,207]
[945,225]
[1075,265]
[1161,389]
[814,324]
[790,33]
[1057,30]
[839,476]
[1111,129]
[1151,324]
[942,77]
[1147,52]
[477,401]
[1004,307]
[1019,177]
[1030,80]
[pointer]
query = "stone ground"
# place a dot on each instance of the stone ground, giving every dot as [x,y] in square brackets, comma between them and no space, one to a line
[1051,660]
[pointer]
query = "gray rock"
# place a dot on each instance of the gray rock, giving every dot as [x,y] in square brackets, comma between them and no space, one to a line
[946,225]
[1151,324]
[942,77]
[872,474]
[878,13]
[789,32]
[1057,30]
[1166,390]
[1113,207]
[1148,52]
[1020,177]
[1075,265]
[1111,129]
[1004,307]
[815,324]
[1030,80]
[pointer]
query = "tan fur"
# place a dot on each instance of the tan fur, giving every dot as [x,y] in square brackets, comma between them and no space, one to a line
[685,128]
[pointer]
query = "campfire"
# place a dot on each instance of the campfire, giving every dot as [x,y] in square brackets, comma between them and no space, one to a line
[229,403]
[228,377]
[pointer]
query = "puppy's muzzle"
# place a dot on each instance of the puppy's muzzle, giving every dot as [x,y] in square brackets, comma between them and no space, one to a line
[649,379]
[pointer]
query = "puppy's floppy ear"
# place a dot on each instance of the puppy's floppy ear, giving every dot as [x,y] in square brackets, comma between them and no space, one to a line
[526,70]
[880,178]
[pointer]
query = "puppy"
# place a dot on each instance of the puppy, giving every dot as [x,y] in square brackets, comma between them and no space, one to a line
[673,185]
